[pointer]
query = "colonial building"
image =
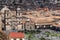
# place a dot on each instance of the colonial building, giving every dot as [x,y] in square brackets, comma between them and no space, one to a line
[16,36]
[14,20]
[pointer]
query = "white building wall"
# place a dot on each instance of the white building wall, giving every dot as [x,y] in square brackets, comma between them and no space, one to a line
[23,39]
[8,27]
[19,27]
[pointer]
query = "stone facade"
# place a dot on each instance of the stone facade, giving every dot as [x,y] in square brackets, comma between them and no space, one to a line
[15,21]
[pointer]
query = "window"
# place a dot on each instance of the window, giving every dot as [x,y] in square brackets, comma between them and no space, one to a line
[7,14]
[23,27]
[20,39]
[37,26]
[10,23]
[30,27]
[7,23]
[19,22]
[14,39]
[6,20]
[18,12]
[18,19]
[28,20]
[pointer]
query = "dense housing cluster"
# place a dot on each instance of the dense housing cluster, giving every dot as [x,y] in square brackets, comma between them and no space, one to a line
[31,4]
[28,20]
[13,16]
[27,15]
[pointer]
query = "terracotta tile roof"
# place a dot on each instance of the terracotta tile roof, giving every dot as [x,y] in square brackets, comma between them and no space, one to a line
[16,35]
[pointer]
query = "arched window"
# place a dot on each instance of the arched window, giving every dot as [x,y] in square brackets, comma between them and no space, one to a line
[20,39]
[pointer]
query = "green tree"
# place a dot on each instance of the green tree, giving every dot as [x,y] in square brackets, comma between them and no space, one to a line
[42,38]
[30,36]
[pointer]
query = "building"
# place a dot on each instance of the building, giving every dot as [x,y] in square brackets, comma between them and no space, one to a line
[28,4]
[14,20]
[16,36]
